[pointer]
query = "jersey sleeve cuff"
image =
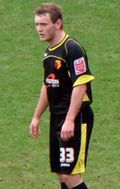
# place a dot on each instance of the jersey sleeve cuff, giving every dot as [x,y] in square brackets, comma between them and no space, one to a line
[83,79]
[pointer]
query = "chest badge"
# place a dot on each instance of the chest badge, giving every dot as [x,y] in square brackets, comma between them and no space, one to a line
[58,64]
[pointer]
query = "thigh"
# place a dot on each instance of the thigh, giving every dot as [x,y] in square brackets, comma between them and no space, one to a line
[69,150]
[54,155]
[69,157]
[56,123]
[73,153]
[88,120]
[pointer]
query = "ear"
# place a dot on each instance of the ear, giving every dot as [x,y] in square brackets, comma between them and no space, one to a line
[59,24]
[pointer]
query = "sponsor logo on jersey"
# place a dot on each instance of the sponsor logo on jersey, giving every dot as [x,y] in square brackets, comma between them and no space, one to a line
[58,64]
[80,66]
[51,81]
[65,165]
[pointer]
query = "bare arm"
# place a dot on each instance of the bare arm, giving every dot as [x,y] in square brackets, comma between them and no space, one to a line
[42,103]
[40,108]
[78,94]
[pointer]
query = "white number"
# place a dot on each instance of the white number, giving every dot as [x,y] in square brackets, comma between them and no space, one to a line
[66,155]
[69,155]
[62,155]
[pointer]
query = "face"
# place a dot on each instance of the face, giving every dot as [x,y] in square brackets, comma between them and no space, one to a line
[45,27]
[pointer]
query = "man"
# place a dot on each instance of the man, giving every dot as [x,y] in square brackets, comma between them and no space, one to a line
[67,92]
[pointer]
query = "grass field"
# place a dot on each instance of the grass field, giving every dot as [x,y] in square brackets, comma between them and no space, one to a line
[24,162]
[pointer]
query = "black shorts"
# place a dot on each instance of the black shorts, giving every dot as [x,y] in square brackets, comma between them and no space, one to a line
[69,157]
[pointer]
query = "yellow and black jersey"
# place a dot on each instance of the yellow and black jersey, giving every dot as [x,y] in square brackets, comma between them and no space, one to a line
[65,67]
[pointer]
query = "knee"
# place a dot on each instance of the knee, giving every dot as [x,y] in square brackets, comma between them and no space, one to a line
[71,180]
[65,179]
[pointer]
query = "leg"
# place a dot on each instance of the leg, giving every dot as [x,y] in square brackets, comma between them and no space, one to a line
[80,186]
[68,181]
[73,182]
[73,154]
[63,186]
[55,146]
[69,158]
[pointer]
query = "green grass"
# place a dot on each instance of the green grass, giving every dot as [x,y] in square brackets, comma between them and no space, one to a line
[24,162]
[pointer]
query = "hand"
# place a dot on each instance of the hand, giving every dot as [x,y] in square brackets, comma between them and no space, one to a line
[34,128]
[67,130]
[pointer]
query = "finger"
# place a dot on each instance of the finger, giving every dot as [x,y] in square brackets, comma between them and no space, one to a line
[71,133]
[67,135]
[31,130]
[34,131]
[64,136]
[37,132]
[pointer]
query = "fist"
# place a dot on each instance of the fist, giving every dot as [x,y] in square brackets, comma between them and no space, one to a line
[34,128]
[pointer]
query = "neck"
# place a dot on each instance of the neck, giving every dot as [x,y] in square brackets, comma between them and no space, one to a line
[57,38]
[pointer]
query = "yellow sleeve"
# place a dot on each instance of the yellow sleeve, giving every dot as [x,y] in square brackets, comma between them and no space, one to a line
[83,79]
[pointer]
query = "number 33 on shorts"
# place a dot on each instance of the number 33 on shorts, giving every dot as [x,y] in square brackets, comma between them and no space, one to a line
[66,155]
